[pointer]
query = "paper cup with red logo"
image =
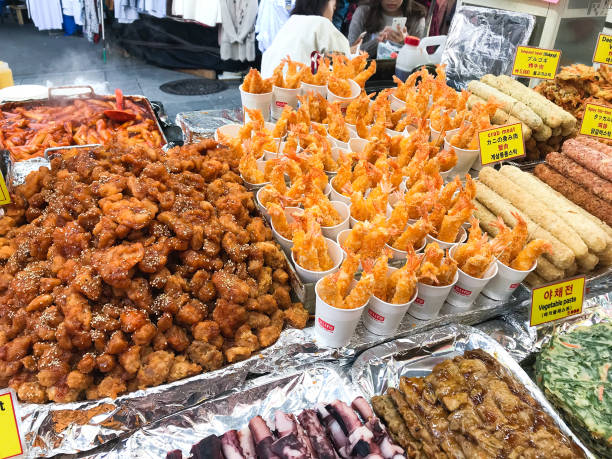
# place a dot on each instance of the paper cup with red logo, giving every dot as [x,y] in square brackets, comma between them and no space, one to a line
[332,232]
[430,299]
[305,88]
[261,102]
[344,101]
[283,97]
[382,318]
[461,237]
[505,282]
[467,288]
[307,276]
[334,327]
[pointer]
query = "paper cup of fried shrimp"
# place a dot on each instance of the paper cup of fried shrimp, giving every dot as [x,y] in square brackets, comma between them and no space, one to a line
[342,218]
[339,304]
[357,144]
[468,287]
[281,97]
[342,90]
[305,88]
[281,224]
[465,158]
[384,315]
[336,195]
[506,281]
[461,237]
[229,131]
[430,299]
[261,102]
[333,258]
[396,104]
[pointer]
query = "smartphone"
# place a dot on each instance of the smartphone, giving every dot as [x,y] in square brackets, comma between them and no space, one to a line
[399,22]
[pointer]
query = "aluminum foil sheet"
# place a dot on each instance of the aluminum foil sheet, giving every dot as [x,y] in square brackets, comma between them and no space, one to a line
[203,124]
[382,366]
[483,40]
[291,391]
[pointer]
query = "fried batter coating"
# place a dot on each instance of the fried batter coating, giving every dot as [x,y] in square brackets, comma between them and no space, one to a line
[127,267]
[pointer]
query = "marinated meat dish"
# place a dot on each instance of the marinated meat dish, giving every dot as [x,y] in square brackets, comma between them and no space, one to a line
[28,130]
[470,407]
[330,431]
[573,370]
[125,267]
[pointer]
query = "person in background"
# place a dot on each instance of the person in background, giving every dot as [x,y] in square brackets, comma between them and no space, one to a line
[308,29]
[271,16]
[375,20]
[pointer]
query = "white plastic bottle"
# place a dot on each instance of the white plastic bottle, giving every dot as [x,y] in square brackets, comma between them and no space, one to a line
[410,57]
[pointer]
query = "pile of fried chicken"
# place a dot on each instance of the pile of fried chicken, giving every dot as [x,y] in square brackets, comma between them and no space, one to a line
[127,267]
[470,406]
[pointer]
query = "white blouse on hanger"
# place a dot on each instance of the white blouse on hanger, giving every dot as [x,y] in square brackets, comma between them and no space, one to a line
[46,14]
[205,12]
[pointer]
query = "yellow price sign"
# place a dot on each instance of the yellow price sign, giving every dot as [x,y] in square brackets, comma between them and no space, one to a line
[5,197]
[597,121]
[501,143]
[533,62]
[557,301]
[603,50]
[10,445]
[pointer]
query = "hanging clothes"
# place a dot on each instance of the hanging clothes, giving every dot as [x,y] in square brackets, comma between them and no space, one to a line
[237,40]
[73,8]
[46,14]
[91,23]
[271,16]
[155,8]
[207,13]
[126,11]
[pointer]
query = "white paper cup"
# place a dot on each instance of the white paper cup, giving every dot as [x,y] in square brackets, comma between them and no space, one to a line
[307,276]
[465,158]
[261,165]
[260,206]
[334,327]
[285,243]
[344,101]
[272,154]
[477,164]
[357,145]
[467,288]
[408,130]
[397,254]
[354,221]
[382,318]
[336,196]
[261,102]
[505,282]
[306,88]
[396,104]
[335,153]
[434,135]
[461,237]
[340,238]
[430,299]
[283,97]
[229,130]
[332,232]
[327,189]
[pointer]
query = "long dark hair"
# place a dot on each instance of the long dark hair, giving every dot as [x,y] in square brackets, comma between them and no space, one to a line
[374,19]
[310,7]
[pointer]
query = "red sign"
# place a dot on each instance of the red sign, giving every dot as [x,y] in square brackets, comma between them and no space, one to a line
[375,316]
[325,325]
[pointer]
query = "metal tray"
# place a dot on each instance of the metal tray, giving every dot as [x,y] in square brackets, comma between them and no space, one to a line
[381,367]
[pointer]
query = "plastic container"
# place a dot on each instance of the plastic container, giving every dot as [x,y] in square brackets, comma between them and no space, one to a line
[332,232]
[430,299]
[467,288]
[285,243]
[6,75]
[282,97]
[261,165]
[465,158]
[505,282]
[382,318]
[334,327]
[461,237]
[307,276]
[344,101]
[306,88]
[414,54]
[229,130]
[261,102]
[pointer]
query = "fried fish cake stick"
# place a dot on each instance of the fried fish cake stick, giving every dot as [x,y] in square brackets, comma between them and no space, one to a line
[591,158]
[591,234]
[575,193]
[562,256]
[581,175]
[524,200]
[545,268]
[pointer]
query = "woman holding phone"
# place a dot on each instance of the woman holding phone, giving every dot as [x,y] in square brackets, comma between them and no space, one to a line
[382,20]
